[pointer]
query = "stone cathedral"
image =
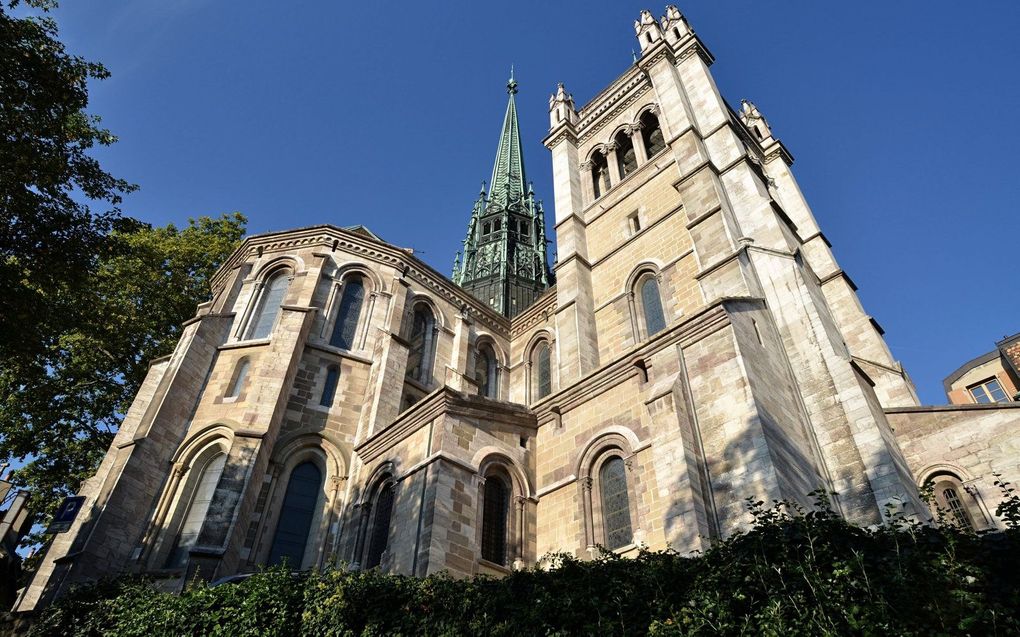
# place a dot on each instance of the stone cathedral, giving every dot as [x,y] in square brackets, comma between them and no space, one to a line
[338,401]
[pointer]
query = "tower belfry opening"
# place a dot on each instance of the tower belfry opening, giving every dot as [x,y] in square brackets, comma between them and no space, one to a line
[504,259]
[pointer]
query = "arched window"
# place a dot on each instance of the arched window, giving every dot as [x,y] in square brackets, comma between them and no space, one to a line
[625,157]
[953,500]
[240,374]
[599,174]
[345,327]
[296,515]
[615,503]
[380,526]
[651,134]
[541,365]
[421,356]
[197,507]
[329,388]
[485,371]
[651,306]
[269,303]
[495,512]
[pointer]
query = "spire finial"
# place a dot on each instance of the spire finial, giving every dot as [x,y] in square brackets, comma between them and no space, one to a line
[511,86]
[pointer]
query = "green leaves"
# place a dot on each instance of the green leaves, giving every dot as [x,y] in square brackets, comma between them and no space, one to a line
[794,573]
[61,407]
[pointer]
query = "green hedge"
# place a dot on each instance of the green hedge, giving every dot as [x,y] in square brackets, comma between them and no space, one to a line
[793,573]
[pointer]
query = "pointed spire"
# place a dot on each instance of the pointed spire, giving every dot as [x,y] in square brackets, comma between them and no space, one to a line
[507,183]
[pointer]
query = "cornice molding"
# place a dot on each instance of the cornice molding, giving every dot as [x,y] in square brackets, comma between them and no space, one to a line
[336,238]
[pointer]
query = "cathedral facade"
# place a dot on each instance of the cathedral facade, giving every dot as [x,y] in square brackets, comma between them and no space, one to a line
[338,401]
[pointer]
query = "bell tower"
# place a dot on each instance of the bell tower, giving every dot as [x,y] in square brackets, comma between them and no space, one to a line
[504,260]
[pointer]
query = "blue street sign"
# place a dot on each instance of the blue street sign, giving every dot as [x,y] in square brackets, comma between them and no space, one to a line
[65,514]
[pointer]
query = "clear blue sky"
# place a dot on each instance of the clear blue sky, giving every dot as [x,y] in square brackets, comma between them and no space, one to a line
[900,116]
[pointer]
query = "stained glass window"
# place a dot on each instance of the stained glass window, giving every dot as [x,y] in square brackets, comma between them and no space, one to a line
[270,300]
[345,327]
[380,527]
[494,517]
[201,498]
[543,370]
[419,359]
[651,303]
[615,503]
[296,515]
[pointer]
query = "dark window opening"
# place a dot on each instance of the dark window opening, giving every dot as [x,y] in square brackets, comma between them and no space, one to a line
[329,389]
[296,515]
[651,134]
[600,174]
[494,517]
[625,157]
[380,527]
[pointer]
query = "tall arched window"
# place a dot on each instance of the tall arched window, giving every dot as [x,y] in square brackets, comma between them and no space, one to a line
[615,503]
[956,503]
[625,157]
[599,174]
[541,364]
[651,134]
[345,327]
[329,388]
[296,515]
[485,371]
[240,374]
[197,507]
[651,306]
[268,309]
[421,356]
[495,512]
[380,526]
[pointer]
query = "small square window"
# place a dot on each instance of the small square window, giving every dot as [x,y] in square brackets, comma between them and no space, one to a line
[634,223]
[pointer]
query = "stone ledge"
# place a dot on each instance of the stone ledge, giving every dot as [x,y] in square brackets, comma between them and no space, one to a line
[939,408]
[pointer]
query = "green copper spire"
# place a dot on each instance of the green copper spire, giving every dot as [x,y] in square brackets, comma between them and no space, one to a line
[508,180]
[504,258]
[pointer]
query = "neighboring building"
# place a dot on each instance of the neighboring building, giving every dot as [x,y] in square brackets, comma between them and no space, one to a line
[989,378]
[339,401]
[15,522]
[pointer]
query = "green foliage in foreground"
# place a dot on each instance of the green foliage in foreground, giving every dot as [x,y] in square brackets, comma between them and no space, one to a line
[792,574]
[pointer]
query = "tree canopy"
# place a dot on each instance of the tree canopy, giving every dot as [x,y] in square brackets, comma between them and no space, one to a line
[90,296]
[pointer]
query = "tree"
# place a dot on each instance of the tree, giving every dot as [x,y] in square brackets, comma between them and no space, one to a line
[60,409]
[50,236]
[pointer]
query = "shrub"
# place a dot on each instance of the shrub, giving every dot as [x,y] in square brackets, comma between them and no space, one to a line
[793,573]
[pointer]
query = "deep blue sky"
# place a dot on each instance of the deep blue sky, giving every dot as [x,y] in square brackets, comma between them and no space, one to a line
[900,115]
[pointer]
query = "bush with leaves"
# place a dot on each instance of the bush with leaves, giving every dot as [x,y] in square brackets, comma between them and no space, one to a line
[794,572]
